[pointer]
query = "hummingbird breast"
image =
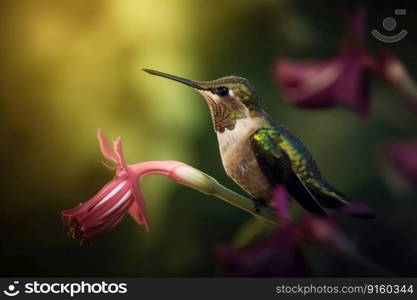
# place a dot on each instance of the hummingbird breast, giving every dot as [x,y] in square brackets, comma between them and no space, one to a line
[239,160]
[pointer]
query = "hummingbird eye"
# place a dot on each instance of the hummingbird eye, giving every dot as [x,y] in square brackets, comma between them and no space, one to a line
[222,91]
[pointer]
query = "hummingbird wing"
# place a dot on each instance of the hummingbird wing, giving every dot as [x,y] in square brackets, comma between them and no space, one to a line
[276,164]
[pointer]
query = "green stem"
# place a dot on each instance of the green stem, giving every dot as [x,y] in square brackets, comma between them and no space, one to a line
[206,184]
[266,214]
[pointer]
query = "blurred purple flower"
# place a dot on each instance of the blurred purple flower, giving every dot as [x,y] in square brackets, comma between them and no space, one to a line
[342,80]
[280,253]
[357,210]
[403,157]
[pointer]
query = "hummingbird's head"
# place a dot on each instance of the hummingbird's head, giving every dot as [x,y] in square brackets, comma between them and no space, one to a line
[229,98]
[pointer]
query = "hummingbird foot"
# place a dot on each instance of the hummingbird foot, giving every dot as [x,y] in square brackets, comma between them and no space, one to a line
[259,203]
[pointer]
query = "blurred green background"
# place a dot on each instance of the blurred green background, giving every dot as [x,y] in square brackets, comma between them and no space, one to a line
[70,67]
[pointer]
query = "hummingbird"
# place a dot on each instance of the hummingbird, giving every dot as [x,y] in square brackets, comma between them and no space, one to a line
[257,152]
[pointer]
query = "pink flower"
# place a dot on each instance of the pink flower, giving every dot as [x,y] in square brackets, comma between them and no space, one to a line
[343,80]
[121,195]
[277,256]
[280,253]
[340,80]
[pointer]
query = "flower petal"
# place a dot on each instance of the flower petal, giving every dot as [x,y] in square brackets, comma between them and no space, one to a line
[118,150]
[278,255]
[101,212]
[281,202]
[138,209]
[358,210]
[341,80]
[318,230]
[105,147]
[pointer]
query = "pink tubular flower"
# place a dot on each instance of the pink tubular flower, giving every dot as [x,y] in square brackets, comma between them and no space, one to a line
[122,194]
[116,198]
[280,253]
[277,256]
[343,80]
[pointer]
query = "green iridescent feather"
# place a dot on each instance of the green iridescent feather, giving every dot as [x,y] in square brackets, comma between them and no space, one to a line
[274,144]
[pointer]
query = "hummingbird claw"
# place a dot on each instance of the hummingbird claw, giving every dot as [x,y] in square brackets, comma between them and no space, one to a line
[258,204]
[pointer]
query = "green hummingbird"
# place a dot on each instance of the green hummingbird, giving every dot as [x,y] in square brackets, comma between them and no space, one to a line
[258,152]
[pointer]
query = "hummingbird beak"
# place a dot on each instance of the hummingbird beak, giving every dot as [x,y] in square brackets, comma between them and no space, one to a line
[188,82]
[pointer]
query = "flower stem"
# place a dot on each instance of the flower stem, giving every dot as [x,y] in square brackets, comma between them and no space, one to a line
[206,184]
[266,213]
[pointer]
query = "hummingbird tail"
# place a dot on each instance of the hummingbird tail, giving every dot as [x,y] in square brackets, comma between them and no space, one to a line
[358,210]
[329,197]
[332,199]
